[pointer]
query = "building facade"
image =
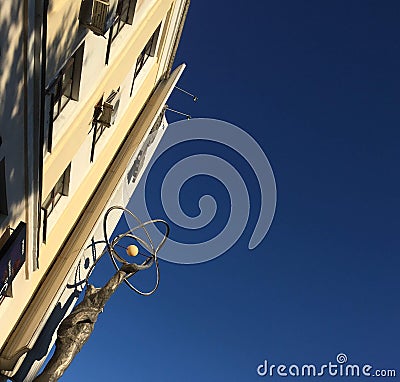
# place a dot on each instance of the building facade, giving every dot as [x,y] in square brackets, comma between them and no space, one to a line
[83,91]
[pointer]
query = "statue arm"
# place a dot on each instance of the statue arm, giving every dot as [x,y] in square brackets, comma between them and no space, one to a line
[127,270]
[104,293]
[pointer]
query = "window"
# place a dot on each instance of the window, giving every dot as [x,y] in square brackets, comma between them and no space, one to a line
[12,257]
[66,85]
[120,18]
[60,189]
[123,15]
[64,88]
[148,51]
[3,188]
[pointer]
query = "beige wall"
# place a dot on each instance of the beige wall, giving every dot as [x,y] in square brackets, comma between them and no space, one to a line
[73,138]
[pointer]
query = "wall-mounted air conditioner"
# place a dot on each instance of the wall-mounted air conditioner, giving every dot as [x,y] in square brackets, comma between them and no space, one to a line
[95,15]
[110,108]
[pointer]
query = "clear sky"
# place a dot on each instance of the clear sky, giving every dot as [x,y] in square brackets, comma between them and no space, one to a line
[316,83]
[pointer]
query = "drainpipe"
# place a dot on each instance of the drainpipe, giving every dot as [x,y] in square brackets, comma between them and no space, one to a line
[42,102]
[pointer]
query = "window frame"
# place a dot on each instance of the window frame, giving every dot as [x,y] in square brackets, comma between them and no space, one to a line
[148,51]
[60,86]
[123,15]
[65,87]
[60,189]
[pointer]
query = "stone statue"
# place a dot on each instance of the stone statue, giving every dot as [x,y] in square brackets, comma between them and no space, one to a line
[76,328]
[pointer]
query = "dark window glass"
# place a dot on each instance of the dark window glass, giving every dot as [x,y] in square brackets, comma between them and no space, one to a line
[122,16]
[148,51]
[63,88]
[60,189]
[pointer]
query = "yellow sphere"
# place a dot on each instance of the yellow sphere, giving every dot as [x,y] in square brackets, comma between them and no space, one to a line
[132,250]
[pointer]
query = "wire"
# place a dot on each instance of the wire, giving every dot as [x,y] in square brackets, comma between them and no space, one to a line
[148,245]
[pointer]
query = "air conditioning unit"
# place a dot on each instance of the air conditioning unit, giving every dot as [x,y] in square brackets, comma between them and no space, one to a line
[95,15]
[110,108]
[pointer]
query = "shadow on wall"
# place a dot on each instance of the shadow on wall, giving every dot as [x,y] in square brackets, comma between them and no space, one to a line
[42,346]
[65,39]
[65,33]
[12,103]
[14,114]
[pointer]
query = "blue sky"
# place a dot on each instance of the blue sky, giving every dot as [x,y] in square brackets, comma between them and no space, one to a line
[316,83]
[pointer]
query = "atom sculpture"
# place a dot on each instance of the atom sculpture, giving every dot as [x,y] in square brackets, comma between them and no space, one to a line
[76,328]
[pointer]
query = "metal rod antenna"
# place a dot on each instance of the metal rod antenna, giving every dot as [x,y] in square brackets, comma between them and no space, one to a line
[195,98]
[179,112]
